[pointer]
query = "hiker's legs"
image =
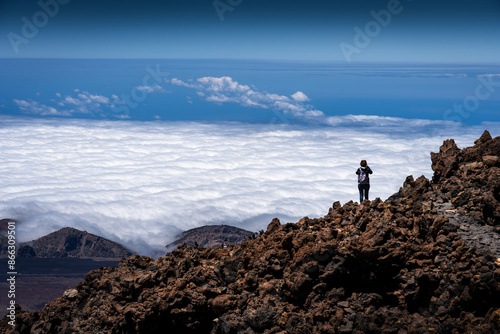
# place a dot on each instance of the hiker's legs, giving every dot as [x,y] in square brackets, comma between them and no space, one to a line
[367,188]
[363,191]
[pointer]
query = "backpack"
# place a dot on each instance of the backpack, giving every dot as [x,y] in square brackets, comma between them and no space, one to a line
[363,176]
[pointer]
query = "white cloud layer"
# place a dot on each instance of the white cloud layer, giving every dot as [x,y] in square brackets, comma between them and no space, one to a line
[299,96]
[142,183]
[152,89]
[225,89]
[81,102]
[36,108]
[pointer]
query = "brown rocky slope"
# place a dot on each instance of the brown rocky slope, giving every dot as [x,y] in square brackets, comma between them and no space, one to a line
[398,266]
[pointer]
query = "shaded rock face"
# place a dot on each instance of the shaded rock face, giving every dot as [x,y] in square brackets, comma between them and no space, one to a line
[70,242]
[394,266]
[212,236]
[470,178]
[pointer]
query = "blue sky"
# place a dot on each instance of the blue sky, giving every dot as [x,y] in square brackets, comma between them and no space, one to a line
[411,59]
[422,31]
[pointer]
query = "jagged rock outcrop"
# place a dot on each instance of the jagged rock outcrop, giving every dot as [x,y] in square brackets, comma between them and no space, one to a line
[70,242]
[394,266]
[211,236]
[470,178]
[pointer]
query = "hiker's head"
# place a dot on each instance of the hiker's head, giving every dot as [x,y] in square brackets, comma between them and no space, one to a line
[363,163]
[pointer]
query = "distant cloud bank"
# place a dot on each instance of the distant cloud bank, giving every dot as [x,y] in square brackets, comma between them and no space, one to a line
[225,89]
[212,89]
[81,103]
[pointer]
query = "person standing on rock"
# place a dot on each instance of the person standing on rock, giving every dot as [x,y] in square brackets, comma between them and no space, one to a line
[363,180]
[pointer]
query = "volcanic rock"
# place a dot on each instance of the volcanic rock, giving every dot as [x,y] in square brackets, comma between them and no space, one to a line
[211,236]
[72,243]
[472,182]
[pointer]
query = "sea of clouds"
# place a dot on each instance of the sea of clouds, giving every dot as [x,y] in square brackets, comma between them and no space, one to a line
[142,183]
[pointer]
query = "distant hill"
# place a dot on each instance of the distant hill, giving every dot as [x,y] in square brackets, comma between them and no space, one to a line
[68,254]
[211,236]
[72,243]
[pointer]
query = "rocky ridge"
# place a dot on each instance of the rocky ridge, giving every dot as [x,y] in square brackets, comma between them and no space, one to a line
[397,266]
[72,243]
[211,236]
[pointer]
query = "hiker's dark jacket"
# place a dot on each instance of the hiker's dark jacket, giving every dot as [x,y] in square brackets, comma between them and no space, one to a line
[367,170]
